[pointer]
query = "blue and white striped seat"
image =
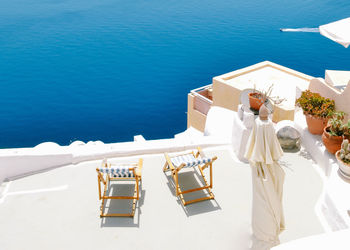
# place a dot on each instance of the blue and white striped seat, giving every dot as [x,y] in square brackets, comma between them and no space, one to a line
[189,160]
[118,171]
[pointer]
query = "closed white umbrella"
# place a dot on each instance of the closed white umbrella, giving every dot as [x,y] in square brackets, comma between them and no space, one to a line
[338,31]
[263,151]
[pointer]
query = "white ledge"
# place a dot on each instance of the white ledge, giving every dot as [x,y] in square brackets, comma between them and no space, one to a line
[19,162]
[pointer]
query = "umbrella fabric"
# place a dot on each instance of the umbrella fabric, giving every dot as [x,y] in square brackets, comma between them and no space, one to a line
[338,31]
[263,151]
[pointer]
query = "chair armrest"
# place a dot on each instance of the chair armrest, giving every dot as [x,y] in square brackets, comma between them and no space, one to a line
[100,176]
[169,161]
[139,167]
[201,153]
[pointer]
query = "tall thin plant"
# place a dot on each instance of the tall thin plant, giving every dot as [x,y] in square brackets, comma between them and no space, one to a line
[266,94]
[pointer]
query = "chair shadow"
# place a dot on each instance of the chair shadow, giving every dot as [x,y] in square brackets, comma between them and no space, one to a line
[189,180]
[123,206]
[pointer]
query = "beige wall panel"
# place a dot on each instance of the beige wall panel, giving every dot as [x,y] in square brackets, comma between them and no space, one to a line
[194,118]
[225,95]
[342,99]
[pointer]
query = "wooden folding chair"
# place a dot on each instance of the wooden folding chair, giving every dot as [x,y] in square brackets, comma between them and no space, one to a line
[108,172]
[176,163]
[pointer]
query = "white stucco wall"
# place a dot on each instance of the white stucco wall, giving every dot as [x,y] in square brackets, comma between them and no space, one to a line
[19,162]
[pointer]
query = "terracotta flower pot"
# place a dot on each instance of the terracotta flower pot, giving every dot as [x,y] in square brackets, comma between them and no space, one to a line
[332,143]
[315,124]
[255,100]
[344,167]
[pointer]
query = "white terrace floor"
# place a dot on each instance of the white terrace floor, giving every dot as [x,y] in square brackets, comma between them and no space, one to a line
[59,209]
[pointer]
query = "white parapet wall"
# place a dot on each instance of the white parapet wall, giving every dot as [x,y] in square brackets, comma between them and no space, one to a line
[314,145]
[15,163]
[334,207]
[24,163]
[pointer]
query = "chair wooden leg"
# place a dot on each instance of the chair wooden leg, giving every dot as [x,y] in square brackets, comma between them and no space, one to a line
[166,167]
[211,175]
[206,183]
[176,177]
[99,187]
[103,198]
[182,197]
[134,199]
[198,200]
[137,188]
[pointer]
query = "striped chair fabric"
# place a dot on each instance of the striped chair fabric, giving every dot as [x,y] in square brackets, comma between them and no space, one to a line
[189,160]
[118,171]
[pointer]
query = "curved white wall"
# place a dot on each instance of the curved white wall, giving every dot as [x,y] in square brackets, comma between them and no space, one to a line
[15,163]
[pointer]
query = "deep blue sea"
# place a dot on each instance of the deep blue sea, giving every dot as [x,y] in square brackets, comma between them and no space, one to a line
[111,69]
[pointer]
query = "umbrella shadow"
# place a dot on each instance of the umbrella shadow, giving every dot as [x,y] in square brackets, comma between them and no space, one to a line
[123,206]
[303,153]
[189,180]
[286,164]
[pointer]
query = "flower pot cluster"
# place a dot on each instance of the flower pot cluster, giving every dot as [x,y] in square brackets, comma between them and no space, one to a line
[323,119]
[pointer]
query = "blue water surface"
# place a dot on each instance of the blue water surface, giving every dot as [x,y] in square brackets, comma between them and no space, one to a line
[110,69]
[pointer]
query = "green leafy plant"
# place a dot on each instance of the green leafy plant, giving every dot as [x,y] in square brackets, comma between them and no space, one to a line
[316,105]
[336,127]
[345,151]
[346,130]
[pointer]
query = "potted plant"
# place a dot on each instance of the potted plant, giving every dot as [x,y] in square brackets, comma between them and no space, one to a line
[317,110]
[343,158]
[258,97]
[346,130]
[332,136]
